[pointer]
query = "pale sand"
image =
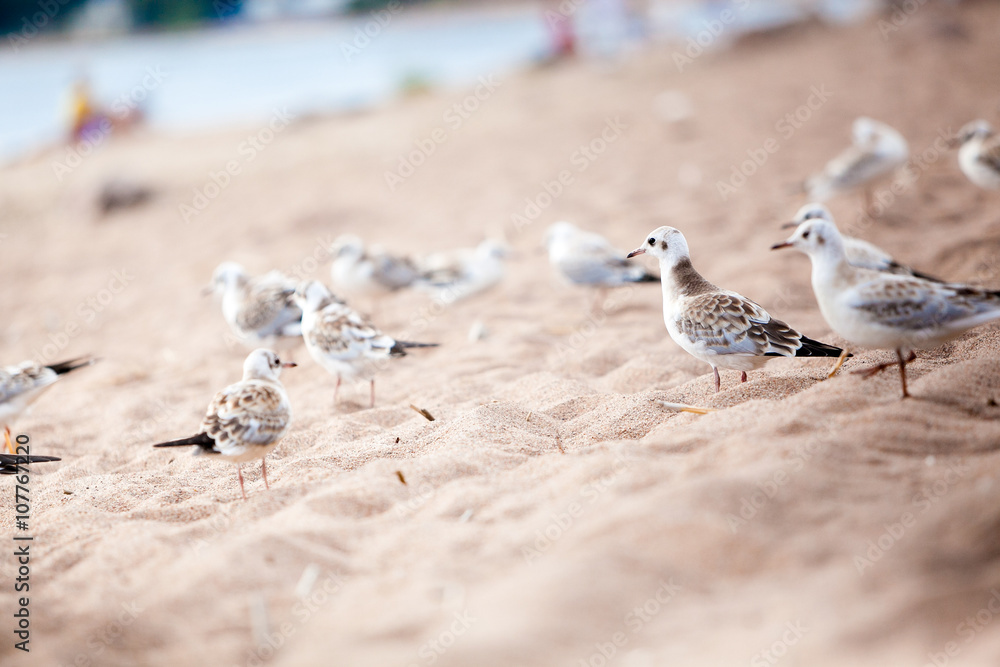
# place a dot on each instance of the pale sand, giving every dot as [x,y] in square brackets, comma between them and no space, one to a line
[548,415]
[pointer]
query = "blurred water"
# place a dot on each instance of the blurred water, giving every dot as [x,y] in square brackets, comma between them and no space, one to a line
[240,73]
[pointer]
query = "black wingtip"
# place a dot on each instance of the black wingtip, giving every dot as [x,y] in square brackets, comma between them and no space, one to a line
[203,440]
[814,348]
[648,278]
[71,365]
[10,463]
[400,347]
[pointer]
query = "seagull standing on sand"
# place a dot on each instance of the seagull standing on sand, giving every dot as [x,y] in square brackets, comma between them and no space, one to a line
[883,310]
[368,272]
[21,385]
[876,151]
[979,156]
[343,341]
[260,311]
[456,274]
[246,420]
[722,328]
[860,253]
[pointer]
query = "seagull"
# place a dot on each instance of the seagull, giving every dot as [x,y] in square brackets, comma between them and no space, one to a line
[587,258]
[371,272]
[260,311]
[21,385]
[722,328]
[457,274]
[247,419]
[10,463]
[979,156]
[343,341]
[876,151]
[860,253]
[884,310]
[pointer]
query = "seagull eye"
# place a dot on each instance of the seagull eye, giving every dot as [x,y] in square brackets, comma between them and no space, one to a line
[651,241]
[805,234]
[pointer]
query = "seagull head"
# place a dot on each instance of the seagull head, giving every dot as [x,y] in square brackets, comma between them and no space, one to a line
[492,249]
[559,231]
[263,364]
[977,129]
[665,244]
[817,237]
[227,276]
[814,211]
[312,295]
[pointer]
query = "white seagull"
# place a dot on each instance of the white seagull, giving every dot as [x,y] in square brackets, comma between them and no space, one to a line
[368,272]
[876,151]
[884,310]
[860,253]
[587,258]
[259,311]
[247,419]
[343,341]
[722,328]
[979,156]
[21,385]
[452,275]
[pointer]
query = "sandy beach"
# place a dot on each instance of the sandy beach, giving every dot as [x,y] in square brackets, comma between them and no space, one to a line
[554,513]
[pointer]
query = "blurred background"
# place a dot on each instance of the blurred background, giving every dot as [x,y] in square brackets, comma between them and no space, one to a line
[233,61]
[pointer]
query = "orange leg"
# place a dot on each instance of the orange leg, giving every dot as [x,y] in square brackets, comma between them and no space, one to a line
[263,469]
[6,439]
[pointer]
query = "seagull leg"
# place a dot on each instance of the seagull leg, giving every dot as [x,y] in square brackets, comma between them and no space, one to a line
[239,473]
[840,362]
[336,392]
[718,380]
[372,404]
[902,369]
[6,439]
[263,469]
[743,376]
[875,370]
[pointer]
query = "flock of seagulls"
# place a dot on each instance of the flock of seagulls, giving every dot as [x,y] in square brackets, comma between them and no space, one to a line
[867,297]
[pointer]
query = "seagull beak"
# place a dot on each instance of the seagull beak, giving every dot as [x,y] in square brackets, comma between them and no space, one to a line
[783,244]
[637,251]
[289,364]
[789,225]
[208,289]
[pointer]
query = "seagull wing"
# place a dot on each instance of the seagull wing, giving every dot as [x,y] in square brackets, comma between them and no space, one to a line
[913,304]
[249,412]
[728,323]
